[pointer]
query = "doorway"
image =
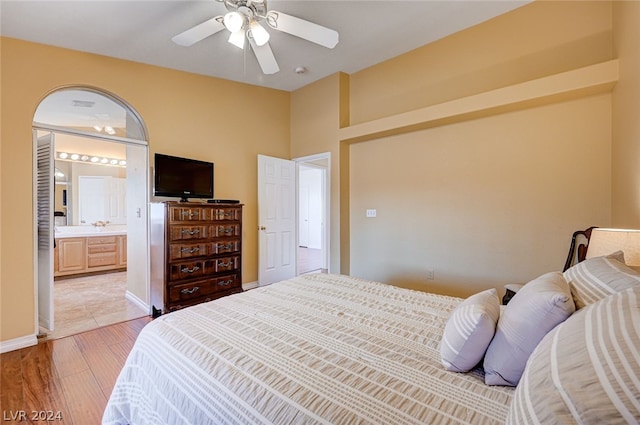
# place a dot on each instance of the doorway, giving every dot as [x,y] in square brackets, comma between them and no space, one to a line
[313,214]
[95,230]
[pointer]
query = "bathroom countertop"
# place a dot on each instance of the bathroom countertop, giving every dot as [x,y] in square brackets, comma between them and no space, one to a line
[87,231]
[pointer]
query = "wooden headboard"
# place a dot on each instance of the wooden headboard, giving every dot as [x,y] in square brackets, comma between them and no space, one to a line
[578,247]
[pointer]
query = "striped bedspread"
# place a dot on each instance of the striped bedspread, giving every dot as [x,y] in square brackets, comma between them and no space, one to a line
[322,349]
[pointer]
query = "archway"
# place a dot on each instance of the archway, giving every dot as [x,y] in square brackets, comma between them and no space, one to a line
[101,143]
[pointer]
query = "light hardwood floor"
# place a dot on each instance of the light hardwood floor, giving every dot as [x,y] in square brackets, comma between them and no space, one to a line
[89,302]
[71,377]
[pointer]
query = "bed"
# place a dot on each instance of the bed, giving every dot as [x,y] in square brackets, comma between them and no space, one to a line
[325,349]
[314,349]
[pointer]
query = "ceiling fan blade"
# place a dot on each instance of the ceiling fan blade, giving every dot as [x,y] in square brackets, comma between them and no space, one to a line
[265,57]
[304,29]
[199,32]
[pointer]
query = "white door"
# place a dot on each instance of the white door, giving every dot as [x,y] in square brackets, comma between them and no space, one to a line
[310,183]
[303,214]
[276,219]
[117,200]
[44,223]
[92,192]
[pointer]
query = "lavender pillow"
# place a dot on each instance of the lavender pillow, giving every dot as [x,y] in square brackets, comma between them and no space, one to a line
[537,308]
[469,331]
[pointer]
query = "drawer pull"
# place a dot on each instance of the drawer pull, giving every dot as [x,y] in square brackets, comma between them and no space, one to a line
[190,232]
[228,263]
[190,214]
[227,230]
[191,250]
[226,246]
[188,270]
[225,282]
[190,291]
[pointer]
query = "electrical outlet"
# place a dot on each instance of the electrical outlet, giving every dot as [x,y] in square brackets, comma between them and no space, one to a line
[371,213]
[430,274]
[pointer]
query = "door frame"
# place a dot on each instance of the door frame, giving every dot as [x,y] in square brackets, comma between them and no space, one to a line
[326,201]
[66,130]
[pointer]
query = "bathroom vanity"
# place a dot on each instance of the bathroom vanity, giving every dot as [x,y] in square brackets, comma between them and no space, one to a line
[87,249]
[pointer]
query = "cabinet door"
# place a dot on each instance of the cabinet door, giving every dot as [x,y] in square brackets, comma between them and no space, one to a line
[72,254]
[122,250]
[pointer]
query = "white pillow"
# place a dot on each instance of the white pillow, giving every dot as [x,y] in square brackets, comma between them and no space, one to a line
[537,308]
[469,331]
[598,277]
[585,371]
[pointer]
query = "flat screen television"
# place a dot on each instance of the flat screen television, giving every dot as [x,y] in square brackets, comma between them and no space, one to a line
[182,178]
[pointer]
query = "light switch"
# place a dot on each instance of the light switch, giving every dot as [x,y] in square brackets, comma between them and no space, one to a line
[371,213]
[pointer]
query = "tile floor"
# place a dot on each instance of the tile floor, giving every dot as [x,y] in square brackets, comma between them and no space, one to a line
[90,302]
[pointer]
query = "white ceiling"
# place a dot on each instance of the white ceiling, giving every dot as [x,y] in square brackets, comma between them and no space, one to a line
[141,31]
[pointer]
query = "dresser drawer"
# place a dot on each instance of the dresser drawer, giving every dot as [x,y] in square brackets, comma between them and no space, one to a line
[193,301]
[178,214]
[202,288]
[188,250]
[182,233]
[93,240]
[223,264]
[225,230]
[97,249]
[225,246]
[101,260]
[225,214]
[186,270]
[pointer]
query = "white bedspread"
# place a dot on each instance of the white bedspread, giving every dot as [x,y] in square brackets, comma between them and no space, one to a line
[314,349]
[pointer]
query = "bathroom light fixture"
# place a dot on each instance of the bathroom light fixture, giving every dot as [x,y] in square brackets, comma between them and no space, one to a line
[104,129]
[99,160]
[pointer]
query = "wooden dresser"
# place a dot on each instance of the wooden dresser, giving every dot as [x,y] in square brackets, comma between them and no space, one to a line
[196,253]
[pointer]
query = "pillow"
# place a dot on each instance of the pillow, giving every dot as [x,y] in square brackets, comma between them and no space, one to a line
[537,308]
[585,371]
[469,330]
[597,277]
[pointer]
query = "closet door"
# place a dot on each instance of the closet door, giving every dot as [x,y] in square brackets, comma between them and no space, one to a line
[44,204]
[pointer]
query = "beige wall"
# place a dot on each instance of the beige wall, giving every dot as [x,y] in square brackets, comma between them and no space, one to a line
[482,203]
[494,199]
[537,40]
[317,111]
[186,115]
[626,117]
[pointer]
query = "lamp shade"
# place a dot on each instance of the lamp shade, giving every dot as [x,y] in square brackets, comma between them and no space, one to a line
[605,241]
[237,38]
[259,34]
[233,21]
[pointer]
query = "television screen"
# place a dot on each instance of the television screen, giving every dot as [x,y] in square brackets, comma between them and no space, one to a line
[182,177]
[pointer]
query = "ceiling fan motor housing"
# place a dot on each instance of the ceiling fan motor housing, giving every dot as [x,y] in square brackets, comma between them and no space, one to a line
[256,9]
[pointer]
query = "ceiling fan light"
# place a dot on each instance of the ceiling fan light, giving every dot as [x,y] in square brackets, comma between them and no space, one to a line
[234,21]
[259,34]
[237,38]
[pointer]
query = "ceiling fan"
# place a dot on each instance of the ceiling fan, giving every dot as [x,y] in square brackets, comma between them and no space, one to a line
[243,21]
